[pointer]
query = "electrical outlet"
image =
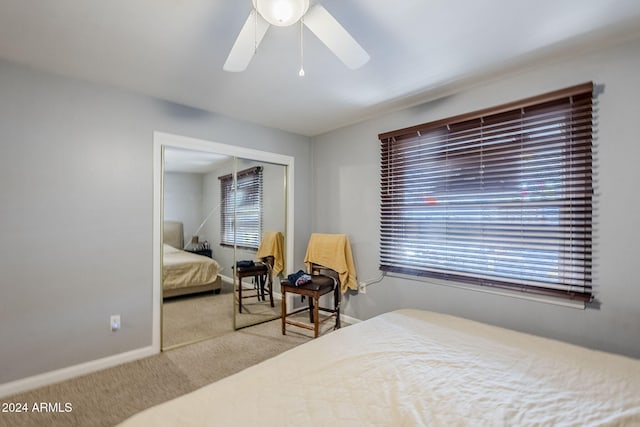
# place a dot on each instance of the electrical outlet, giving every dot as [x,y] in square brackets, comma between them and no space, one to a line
[362,288]
[115,322]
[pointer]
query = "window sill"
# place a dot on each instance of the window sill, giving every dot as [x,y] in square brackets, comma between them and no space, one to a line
[495,291]
[244,248]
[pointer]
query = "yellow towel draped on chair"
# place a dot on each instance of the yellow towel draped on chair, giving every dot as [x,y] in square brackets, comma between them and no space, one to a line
[333,251]
[273,245]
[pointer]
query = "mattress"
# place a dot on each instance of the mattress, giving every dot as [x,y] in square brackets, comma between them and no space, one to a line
[182,269]
[410,367]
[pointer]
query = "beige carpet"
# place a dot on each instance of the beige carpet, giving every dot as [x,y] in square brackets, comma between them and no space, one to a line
[107,397]
[195,317]
[191,318]
[254,312]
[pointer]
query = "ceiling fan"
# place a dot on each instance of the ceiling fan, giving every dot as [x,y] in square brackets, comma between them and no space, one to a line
[283,13]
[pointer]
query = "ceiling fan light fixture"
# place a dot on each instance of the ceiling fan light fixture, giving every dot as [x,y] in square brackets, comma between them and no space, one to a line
[281,13]
[287,12]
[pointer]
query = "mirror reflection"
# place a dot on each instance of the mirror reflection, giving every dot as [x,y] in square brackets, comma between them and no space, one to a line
[216,211]
[259,211]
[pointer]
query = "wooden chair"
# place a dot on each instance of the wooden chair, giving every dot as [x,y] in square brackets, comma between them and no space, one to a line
[324,281]
[261,272]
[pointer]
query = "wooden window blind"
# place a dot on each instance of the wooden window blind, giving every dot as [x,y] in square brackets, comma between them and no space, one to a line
[241,208]
[501,197]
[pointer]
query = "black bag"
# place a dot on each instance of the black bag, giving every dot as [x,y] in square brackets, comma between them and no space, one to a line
[244,264]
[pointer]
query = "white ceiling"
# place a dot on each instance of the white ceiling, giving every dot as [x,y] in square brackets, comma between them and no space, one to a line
[190,161]
[420,49]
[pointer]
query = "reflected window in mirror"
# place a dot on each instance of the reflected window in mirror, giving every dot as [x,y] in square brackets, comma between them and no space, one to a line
[241,209]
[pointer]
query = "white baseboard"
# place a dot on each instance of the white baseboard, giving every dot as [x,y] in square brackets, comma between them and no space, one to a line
[29,383]
[349,319]
[226,279]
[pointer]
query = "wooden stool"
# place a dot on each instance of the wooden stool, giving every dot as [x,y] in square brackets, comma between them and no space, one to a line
[319,285]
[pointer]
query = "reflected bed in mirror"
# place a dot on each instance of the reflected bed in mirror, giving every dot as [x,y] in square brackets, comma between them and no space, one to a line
[186,272]
[191,288]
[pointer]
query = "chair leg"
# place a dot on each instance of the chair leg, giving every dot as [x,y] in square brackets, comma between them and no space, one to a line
[260,292]
[271,289]
[336,301]
[311,310]
[316,323]
[283,314]
[239,294]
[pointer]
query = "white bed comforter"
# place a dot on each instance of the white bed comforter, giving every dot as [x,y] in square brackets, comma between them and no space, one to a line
[409,368]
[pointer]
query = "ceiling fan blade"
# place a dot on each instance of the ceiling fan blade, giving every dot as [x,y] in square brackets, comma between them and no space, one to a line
[245,45]
[337,39]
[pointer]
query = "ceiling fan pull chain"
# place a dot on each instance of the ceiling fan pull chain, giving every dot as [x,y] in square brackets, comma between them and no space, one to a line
[301,72]
[255,28]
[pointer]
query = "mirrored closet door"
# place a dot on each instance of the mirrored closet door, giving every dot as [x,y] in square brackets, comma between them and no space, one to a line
[217,210]
[196,300]
[259,224]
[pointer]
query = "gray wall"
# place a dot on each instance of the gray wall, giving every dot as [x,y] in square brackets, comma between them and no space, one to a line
[76,210]
[183,201]
[346,200]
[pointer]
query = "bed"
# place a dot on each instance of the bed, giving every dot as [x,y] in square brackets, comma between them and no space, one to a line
[184,272]
[411,367]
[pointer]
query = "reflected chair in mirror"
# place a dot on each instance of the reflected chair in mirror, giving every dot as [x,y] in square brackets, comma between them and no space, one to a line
[270,262]
[331,269]
[260,272]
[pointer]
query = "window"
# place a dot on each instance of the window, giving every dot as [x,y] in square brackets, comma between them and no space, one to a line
[501,197]
[241,218]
